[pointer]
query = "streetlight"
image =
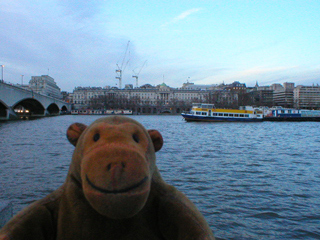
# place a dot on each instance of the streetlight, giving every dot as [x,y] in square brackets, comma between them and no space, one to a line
[2,73]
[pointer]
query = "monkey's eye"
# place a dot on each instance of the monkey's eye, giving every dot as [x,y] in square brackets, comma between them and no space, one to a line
[136,138]
[96,137]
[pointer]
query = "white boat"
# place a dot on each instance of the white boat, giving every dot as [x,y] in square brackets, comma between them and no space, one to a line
[118,112]
[74,112]
[101,112]
[208,113]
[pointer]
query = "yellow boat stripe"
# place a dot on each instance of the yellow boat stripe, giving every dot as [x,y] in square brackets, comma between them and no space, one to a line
[222,110]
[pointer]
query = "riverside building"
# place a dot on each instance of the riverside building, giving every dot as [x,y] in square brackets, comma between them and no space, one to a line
[283,96]
[45,85]
[307,97]
[150,99]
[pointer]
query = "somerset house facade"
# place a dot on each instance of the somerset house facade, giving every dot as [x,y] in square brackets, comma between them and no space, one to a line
[148,99]
[145,99]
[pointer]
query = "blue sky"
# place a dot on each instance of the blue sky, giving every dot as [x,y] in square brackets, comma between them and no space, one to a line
[207,42]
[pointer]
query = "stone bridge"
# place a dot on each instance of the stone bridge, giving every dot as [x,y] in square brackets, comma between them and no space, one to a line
[17,103]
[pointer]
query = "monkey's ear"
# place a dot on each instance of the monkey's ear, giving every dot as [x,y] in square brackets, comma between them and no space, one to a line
[156,138]
[74,132]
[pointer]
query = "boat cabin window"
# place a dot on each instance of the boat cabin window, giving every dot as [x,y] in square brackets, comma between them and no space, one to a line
[241,115]
[204,113]
[207,105]
[220,114]
[198,113]
[196,105]
[231,115]
[225,114]
[246,115]
[214,114]
[236,115]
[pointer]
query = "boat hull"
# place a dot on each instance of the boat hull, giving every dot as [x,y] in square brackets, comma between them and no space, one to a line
[194,118]
[292,119]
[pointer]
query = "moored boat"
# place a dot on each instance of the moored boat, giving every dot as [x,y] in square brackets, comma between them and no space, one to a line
[102,112]
[79,112]
[209,113]
[74,112]
[291,114]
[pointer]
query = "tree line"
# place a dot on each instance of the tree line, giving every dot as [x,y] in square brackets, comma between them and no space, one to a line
[221,99]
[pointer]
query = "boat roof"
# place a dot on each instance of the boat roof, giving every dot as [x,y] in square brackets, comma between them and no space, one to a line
[203,105]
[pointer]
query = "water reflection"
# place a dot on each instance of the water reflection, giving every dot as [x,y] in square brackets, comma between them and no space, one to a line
[250,180]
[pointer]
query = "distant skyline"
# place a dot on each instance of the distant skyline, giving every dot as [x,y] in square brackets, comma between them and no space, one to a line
[82,43]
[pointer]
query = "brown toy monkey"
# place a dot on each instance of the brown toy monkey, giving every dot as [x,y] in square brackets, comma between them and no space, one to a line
[113,190]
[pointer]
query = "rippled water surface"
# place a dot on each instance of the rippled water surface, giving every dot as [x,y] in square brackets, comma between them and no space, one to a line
[250,180]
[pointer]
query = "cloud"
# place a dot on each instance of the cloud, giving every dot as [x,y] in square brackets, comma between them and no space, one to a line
[182,16]
[265,75]
[186,14]
[78,52]
[81,9]
[259,71]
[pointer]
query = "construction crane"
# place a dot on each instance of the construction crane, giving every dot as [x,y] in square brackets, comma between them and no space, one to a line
[121,68]
[136,75]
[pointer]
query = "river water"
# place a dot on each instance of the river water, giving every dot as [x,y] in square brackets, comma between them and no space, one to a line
[250,180]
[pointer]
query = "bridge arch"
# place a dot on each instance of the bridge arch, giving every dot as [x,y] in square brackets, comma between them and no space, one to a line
[3,109]
[30,106]
[64,108]
[14,99]
[53,109]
